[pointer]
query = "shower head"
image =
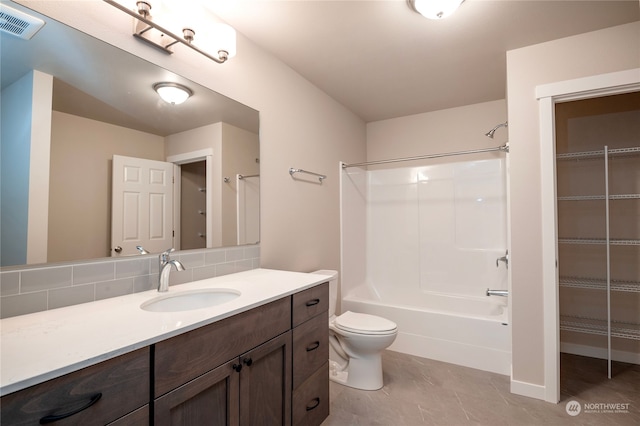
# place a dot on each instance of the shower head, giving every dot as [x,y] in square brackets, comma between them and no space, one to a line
[492,131]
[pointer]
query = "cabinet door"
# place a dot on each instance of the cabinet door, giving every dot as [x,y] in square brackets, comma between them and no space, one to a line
[265,383]
[210,399]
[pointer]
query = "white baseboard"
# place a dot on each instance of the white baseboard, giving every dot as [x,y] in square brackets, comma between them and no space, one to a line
[528,389]
[595,352]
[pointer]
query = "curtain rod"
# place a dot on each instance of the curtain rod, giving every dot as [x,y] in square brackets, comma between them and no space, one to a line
[504,148]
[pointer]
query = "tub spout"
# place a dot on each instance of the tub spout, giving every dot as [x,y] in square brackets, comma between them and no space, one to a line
[503,293]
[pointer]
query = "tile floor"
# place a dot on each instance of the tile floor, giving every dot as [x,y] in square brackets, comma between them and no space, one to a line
[420,391]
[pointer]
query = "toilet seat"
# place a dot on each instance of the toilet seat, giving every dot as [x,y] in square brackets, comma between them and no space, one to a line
[364,324]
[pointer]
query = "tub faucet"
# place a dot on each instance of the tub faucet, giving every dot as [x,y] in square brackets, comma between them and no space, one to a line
[165,264]
[503,293]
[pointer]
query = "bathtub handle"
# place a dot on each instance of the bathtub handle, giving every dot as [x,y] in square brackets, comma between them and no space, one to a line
[504,259]
[312,347]
[313,302]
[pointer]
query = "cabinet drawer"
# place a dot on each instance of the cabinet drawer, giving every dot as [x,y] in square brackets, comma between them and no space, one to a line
[137,418]
[184,357]
[311,401]
[310,348]
[309,303]
[108,390]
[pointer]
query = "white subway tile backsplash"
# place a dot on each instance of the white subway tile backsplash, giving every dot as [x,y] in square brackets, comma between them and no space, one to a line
[225,269]
[132,268]
[235,254]
[26,290]
[192,260]
[21,304]
[214,257]
[9,283]
[45,278]
[204,272]
[107,289]
[93,272]
[67,296]
[145,282]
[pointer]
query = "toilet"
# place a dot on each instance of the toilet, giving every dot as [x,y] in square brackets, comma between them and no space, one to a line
[356,342]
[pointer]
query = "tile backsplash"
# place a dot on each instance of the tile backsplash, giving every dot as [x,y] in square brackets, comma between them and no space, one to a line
[25,289]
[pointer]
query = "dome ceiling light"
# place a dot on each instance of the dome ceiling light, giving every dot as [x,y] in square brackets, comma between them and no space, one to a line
[434,9]
[172,93]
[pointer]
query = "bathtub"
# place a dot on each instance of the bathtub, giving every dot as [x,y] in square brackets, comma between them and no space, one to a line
[468,331]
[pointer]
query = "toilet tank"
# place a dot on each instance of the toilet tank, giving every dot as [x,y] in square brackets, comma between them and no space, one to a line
[333,288]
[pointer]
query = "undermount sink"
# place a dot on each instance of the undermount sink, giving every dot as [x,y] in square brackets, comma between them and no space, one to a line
[190,300]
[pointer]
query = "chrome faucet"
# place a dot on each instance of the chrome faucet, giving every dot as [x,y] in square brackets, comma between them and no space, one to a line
[503,293]
[165,264]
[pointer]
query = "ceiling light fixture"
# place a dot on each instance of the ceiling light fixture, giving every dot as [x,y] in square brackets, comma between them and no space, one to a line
[172,93]
[434,9]
[151,32]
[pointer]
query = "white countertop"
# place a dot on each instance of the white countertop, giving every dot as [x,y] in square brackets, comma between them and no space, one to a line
[44,345]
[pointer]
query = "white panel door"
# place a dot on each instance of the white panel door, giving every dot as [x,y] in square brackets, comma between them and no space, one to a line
[248,209]
[142,205]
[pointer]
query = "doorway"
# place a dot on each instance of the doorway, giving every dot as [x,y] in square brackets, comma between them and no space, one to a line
[598,220]
[193,205]
[548,96]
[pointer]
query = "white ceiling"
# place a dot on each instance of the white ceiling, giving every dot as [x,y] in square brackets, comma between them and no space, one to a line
[382,60]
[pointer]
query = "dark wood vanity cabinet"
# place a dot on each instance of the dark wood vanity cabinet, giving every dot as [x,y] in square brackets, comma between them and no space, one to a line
[265,366]
[310,321]
[95,395]
[254,387]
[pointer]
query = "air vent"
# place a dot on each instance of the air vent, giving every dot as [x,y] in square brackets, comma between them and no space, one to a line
[18,23]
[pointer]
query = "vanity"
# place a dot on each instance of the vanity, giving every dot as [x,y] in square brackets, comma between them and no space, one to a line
[259,358]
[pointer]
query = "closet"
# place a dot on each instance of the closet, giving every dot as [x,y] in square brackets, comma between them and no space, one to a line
[598,207]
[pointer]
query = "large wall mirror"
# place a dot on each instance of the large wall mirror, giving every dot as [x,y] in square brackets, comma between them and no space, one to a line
[82,125]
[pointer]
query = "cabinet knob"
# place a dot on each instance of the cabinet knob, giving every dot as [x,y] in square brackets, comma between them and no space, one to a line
[247,362]
[237,367]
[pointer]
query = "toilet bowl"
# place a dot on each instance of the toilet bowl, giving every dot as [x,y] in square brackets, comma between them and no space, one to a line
[356,342]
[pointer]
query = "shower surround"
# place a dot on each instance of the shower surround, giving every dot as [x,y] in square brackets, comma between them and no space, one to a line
[419,247]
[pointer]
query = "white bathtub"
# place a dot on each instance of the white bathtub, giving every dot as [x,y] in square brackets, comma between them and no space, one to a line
[468,331]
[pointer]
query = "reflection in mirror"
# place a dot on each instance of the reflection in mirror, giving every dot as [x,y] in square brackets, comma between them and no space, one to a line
[70,105]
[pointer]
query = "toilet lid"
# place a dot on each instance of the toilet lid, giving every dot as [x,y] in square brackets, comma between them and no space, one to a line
[364,323]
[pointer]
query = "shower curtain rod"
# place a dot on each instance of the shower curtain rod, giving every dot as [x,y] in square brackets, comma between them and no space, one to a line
[504,148]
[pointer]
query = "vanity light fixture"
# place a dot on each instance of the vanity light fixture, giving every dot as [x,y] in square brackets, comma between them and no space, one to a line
[172,93]
[151,32]
[434,9]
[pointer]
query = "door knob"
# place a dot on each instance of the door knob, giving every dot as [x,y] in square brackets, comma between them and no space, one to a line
[118,249]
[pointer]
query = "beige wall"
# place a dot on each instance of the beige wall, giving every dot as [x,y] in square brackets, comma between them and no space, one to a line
[80,184]
[240,150]
[300,126]
[594,53]
[454,129]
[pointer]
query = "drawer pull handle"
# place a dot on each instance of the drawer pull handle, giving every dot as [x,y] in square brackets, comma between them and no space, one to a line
[55,417]
[314,403]
[312,347]
[313,302]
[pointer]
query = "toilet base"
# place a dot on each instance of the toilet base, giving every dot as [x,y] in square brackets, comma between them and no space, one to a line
[366,374]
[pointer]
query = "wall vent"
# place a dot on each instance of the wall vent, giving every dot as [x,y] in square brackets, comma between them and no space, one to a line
[18,23]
